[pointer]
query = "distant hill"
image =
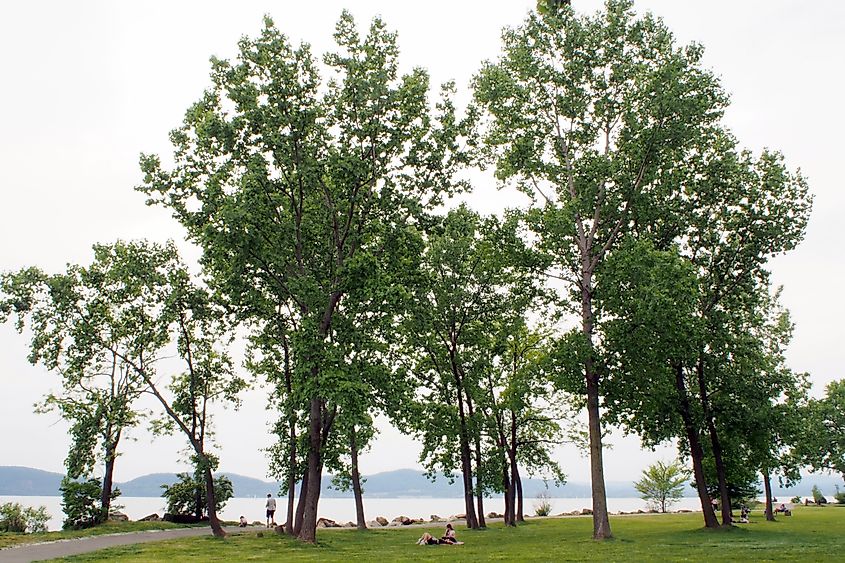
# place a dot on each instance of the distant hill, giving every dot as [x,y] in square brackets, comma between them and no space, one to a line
[25,481]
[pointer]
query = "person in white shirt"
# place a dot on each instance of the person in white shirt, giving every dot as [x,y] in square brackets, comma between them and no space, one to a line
[271,510]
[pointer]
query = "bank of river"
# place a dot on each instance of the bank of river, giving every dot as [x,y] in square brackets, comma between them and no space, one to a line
[343,509]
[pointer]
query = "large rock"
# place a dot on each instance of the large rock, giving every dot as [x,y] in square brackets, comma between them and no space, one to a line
[327,523]
[436,518]
[586,511]
[495,515]
[381,520]
[151,518]
[118,517]
[402,520]
[374,524]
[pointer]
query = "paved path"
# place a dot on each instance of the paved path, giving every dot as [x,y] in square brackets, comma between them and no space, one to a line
[64,548]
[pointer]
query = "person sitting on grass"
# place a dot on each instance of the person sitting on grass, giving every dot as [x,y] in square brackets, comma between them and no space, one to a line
[449,536]
[242,522]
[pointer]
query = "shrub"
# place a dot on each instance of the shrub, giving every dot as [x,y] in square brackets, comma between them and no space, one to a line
[795,500]
[81,502]
[16,518]
[187,495]
[543,507]
[839,496]
[818,497]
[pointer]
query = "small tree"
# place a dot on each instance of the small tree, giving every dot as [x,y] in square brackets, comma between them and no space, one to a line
[818,497]
[187,496]
[82,503]
[662,484]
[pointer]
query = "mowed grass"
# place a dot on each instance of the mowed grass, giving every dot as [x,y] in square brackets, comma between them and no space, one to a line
[812,534]
[10,539]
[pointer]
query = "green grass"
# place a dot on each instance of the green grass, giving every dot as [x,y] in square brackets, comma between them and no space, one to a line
[812,534]
[111,527]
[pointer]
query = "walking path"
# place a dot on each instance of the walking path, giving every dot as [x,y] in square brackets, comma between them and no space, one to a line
[64,548]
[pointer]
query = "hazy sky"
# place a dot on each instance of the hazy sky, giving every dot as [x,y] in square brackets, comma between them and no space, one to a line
[88,86]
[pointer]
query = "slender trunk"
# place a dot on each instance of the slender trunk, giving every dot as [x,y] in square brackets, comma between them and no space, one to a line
[696,451]
[601,522]
[211,504]
[466,468]
[356,483]
[520,501]
[507,486]
[292,472]
[108,477]
[478,489]
[300,507]
[463,433]
[715,445]
[292,465]
[767,485]
[308,531]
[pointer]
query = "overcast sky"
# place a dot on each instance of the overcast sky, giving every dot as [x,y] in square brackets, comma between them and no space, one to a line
[88,86]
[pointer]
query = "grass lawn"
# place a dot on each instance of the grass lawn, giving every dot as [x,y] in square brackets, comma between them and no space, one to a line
[111,527]
[812,534]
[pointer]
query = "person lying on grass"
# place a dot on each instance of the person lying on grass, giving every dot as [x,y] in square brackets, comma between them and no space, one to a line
[447,539]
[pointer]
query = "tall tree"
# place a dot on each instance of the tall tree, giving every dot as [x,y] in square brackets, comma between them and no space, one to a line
[823,439]
[469,287]
[593,117]
[90,325]
[295,188]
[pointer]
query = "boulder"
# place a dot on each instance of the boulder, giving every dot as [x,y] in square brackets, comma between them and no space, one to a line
[151,518]
[350,524]
[403,520]
[374,524]
[381,520]
[436,518]
[586,511]
[459,517]
[118,517]
[495,515]
[640,512]
[575,513]
[327,523]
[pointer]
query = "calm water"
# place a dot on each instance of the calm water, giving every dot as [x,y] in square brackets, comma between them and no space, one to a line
[343,510]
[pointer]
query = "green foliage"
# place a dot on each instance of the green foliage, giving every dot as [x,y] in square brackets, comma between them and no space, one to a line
[818,497]
[662,484]
[543,506]
[839,496]
[822,443]
[187,495]
[16,518]
[81,503]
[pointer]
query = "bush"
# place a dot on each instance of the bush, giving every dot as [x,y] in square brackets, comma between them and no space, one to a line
[81,502]
[795,500]
[818,497]
[16,518]
[187,495]
[839,496]
[543,507]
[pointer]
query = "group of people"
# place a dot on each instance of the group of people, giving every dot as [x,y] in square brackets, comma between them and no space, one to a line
[447,539]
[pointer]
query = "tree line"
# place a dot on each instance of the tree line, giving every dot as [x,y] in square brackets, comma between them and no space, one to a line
[632,286]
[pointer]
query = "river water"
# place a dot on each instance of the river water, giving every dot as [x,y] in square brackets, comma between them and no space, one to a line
[343,509]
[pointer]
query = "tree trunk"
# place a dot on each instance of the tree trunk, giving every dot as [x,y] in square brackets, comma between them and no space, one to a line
[466,468]
[507,487]
[520,501]
[715,445]
[696,451]
[356,483]
[292,472]
[478,461]
[767,485]
[308,531]
[108,478]
[300,507]
[601,522]
[211,503]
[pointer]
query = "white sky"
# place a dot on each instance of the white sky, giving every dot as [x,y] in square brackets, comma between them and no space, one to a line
[88,86]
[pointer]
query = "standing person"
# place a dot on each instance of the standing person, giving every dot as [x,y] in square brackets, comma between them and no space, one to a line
[271,510]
